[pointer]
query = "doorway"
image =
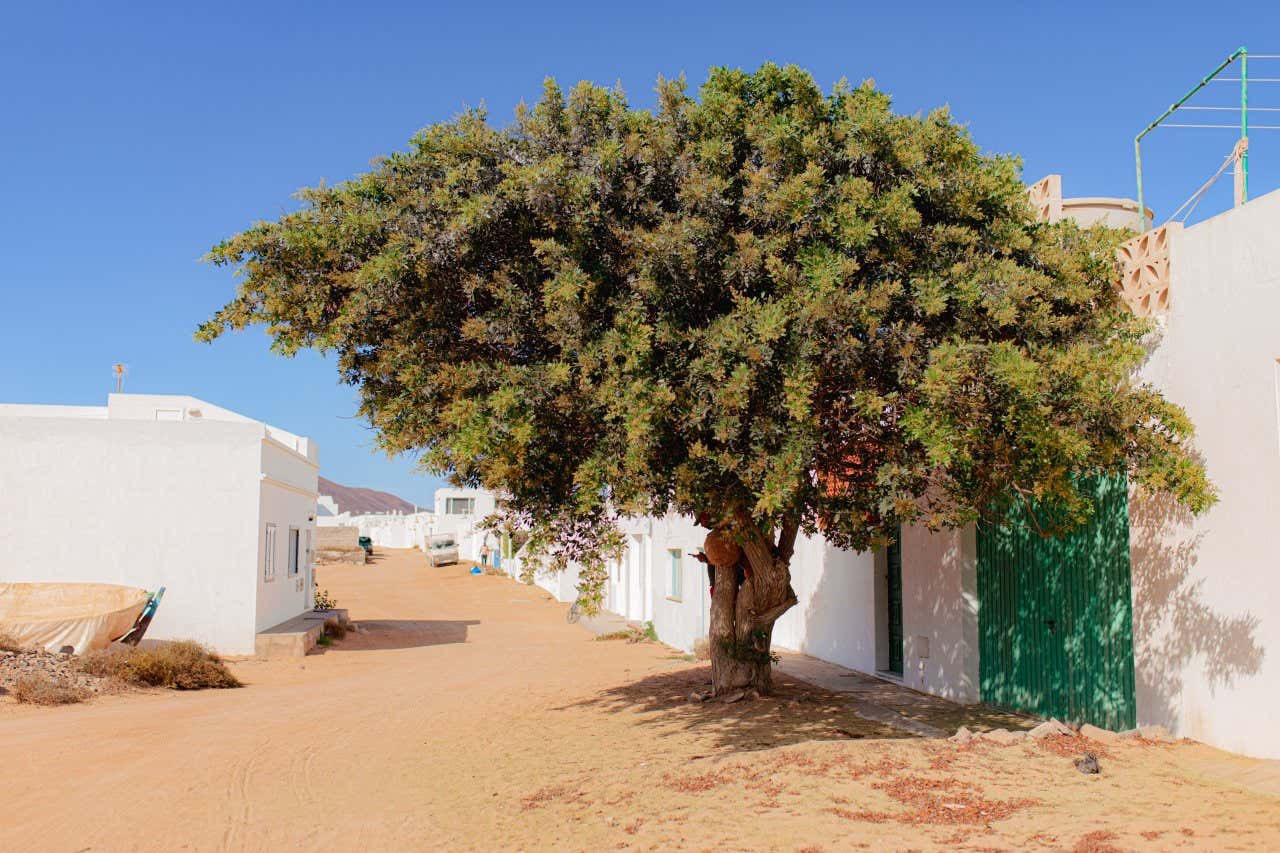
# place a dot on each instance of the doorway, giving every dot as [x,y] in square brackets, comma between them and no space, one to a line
[893,603]
[1055,618]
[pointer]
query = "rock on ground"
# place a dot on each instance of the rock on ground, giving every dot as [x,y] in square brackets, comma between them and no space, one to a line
[1004,737]
[1051,728]
[1094,733]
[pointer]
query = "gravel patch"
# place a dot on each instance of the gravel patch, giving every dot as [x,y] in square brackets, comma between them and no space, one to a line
[60,667]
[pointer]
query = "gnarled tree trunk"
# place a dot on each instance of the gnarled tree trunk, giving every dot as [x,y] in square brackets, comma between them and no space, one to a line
[742,617]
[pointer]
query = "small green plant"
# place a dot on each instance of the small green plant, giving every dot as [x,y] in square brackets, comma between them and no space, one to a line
[324,640]
[44,690]
[324,601]
[632,634]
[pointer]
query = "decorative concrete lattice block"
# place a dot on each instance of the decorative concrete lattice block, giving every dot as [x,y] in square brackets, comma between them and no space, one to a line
[1144,270]
[1045,196]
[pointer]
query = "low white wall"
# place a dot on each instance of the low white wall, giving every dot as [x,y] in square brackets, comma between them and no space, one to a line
[1206,631]
[146,504]
[393,530]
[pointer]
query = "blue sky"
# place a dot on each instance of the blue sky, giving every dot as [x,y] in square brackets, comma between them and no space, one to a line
[134,136]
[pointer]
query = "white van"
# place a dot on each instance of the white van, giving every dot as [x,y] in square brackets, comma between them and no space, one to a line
[442,550]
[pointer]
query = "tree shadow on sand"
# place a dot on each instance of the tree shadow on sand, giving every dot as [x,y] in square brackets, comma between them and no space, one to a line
[794,713]
[381,634]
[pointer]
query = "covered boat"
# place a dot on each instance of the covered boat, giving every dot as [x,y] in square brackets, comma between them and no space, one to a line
[83,616]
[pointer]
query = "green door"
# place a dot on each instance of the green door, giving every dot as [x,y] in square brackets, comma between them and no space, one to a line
[1055,615]
[893,585]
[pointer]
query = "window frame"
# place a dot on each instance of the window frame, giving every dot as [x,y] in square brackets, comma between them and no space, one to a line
[450,503]
[675,574]
[293,552]
[269,552]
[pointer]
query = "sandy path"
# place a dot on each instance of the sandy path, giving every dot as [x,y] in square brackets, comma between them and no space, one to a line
[470,715]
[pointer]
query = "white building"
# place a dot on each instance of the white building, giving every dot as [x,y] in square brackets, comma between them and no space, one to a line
[160,490]
[1158,619]
[458,512]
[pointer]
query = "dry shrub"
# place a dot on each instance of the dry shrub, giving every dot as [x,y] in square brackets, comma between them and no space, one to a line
[45,690]
[9,644]
[335,628]
[180,665]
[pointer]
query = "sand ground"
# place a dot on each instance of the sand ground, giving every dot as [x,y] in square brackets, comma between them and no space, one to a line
[470,715]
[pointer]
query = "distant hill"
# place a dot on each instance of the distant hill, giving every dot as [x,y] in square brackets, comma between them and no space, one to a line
[358,501]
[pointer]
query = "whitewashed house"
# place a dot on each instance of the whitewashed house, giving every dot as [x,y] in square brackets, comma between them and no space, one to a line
[458,512]
[162,490]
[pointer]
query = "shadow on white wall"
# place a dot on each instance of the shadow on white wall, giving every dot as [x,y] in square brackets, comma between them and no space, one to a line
[1175,632]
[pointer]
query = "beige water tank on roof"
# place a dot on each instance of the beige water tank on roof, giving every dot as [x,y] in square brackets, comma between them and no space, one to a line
[1046,199]
[1112,212]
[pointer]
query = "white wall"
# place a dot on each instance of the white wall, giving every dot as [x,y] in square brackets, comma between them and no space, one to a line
[680,618]
[287,498]
[835,618]
[940,612]
[36,410]
[146,504]
[1206,628]
[841,611]
[562,585]
[386,529]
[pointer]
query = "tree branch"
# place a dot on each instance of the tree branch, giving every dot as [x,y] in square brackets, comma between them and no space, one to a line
[786,546]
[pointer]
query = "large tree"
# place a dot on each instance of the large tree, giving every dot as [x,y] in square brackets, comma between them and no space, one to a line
[779,310]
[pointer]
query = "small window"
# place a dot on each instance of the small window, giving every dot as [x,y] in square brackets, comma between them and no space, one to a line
[677,574]
[459,506]
[269,555]
[294,543]
[168,414]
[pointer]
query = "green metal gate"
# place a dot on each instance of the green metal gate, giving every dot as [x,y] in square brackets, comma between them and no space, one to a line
[1055,615]
[893,585]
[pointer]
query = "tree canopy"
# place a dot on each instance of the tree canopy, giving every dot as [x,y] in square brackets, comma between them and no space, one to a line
[793,308]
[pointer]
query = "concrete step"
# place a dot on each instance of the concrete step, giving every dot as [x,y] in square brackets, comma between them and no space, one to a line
[295,637]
